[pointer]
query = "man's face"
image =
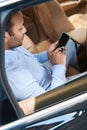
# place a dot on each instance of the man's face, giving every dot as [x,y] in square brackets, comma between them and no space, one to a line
[17,32]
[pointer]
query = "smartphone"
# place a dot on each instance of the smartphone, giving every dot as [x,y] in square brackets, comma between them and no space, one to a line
[62,40]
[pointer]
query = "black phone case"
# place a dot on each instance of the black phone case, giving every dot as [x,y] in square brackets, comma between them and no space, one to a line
[62,41]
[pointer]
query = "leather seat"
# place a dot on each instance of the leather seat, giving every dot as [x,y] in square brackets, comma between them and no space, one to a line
[79,20]
[49,22]
[46,26]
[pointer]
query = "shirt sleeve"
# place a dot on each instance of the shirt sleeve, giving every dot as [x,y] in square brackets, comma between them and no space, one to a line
[23,84]
[42,56]
[58,76]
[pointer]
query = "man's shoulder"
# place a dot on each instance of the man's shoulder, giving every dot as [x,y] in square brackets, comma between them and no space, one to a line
[22,50]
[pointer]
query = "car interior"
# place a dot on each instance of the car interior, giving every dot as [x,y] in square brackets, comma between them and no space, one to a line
[43,29]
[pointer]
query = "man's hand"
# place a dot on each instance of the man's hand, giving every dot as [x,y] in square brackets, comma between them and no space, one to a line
[52,48]
[57,56]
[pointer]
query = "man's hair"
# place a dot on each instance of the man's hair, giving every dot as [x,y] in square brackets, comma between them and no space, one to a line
[9,25]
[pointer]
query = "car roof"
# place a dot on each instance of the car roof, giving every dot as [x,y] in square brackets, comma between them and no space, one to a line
[7,2]
[4,3]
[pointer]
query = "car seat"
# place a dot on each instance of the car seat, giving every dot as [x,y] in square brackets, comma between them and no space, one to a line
[81,18]
[51,25]
[48,25]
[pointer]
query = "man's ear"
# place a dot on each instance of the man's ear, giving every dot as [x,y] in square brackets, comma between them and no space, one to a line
[7,36]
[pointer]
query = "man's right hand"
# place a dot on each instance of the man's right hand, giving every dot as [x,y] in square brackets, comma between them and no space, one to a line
[58,57]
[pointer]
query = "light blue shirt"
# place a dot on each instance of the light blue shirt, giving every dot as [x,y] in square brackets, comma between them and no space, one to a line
[29,76]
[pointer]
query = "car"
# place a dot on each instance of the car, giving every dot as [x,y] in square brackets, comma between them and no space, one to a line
[66,106]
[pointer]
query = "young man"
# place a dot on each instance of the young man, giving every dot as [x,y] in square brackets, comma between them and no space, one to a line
[31,75]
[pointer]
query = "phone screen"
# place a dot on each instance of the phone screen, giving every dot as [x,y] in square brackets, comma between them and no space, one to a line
[63,40]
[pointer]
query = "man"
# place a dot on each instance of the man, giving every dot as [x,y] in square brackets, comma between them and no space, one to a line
[31,75]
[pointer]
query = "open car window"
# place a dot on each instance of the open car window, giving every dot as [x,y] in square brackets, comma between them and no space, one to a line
[42,31]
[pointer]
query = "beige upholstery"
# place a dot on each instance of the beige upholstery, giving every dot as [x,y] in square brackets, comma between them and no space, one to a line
[43,46]
[53,19]
[79,20]
[29,44]
[51,25]
[34,28]
[79,34]
[27,105]
[71,71]
[46,25]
